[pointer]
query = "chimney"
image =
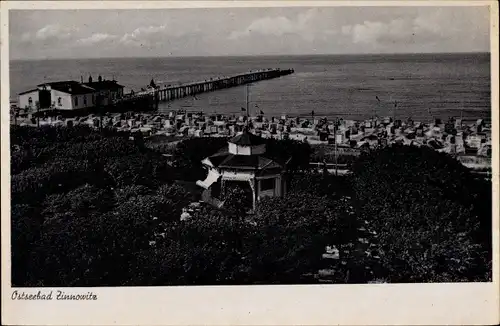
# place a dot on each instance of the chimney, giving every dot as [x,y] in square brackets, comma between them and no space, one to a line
[90,79]
[99,78]
[81,78]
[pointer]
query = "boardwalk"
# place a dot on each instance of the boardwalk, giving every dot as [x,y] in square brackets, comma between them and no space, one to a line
[164,93]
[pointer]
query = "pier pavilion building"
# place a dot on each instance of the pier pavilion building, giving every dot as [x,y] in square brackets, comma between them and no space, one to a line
[243,161]
[70,95]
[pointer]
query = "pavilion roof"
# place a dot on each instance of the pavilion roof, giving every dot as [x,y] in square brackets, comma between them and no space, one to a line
[247,139]
[224,159]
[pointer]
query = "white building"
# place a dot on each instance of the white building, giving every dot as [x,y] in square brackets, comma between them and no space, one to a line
[108,90]
[65,95]
[70,95]
[244,161]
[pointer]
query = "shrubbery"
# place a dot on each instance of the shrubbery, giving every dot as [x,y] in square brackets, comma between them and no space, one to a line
[94,208]
[428,215]
[84,204]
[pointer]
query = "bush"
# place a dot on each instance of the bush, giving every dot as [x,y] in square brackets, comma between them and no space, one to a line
[421,205]
[84,204]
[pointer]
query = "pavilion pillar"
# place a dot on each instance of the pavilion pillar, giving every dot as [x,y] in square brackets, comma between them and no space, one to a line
[222,188]
[252,186]
[257,189]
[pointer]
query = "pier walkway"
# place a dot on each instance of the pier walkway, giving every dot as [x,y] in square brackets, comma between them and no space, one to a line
[164,93]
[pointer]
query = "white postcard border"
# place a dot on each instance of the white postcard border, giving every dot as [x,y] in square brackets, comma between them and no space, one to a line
[416,304]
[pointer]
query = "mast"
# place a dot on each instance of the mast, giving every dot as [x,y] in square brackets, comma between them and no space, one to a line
[335,129]
[461,111]
[394,110]
[246,101]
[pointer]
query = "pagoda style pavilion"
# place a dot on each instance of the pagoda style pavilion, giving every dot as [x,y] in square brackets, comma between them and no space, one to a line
[243,161]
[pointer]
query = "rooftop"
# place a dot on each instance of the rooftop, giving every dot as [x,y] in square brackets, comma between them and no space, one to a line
[246,138]
[104,85]
[72,88]
[63,82]
[29,91]
[223,159]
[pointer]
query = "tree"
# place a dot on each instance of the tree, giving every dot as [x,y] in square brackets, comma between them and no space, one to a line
[189,153]
[290,237]
[61,175]
[132,170]
[85,204]
[203,250]
[321,184]
[173,199]
[25,233]
[238,200]
[289,149]
[90,239]
[419,204]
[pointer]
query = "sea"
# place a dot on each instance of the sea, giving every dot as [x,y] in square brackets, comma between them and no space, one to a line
[417,86]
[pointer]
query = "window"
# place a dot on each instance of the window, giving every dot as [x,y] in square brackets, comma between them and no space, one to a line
[30,101]
[84,99]
[59,101]
[76,100]
[93,99]
[267,184]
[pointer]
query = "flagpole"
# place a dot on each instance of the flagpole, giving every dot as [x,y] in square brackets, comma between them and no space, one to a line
[247,91]
[336,155]
[461,110]
[394,111]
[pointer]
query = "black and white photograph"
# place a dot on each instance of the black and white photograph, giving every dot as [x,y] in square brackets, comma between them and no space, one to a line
[249,146]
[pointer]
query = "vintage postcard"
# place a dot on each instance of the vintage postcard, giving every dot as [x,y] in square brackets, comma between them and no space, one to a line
[250,163]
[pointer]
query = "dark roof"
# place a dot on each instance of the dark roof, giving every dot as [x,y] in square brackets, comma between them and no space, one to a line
[85,88]
[26,92]
[104,85]
[69,86]
[223,159]
[247,139]
[64,82]
[72,88]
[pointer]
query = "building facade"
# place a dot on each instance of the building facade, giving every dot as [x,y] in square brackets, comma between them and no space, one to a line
[70,95]
[108,90]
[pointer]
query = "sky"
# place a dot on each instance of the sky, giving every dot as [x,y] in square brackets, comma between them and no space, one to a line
[52,34]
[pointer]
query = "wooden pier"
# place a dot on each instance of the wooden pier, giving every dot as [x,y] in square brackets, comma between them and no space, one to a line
[164,93]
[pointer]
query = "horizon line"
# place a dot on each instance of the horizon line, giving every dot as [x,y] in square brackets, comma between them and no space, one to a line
[249,55]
